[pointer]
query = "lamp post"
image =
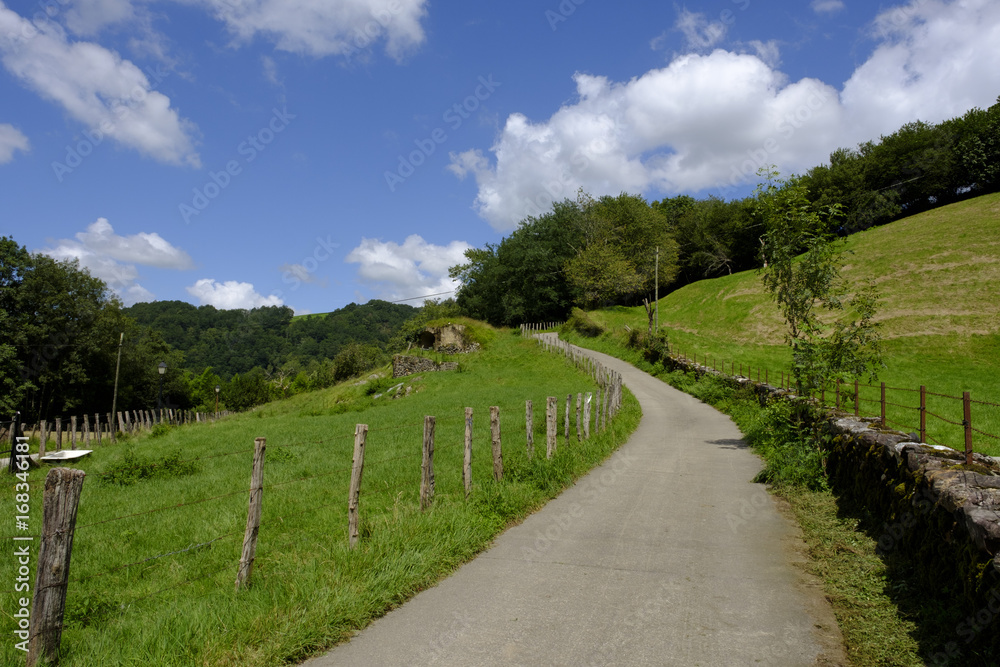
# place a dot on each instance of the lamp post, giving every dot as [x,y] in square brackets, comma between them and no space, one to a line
[217,387]
[159,402]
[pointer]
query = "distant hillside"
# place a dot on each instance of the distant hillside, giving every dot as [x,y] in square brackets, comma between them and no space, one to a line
[234,341]
[939,274]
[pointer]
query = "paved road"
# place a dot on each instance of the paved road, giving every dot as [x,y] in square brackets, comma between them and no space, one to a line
[665,555]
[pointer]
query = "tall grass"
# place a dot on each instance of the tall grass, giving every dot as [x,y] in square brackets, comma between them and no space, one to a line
[157,586]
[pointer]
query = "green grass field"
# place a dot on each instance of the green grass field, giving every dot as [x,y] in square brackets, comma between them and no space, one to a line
[938,273]
[157,586]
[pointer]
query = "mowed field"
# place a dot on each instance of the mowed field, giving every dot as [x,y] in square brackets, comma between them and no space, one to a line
[155,560]
[939,276]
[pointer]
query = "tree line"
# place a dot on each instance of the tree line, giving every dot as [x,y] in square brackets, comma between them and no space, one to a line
[61,329]
[603,252]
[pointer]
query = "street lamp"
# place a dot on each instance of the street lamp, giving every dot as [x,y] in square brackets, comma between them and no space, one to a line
[217,387]
[159,402]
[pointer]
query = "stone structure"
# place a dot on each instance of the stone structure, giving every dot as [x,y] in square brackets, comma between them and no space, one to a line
[449,339]
[406,365]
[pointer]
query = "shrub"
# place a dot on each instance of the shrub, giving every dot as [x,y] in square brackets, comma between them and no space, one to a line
[580,322]
[132,468]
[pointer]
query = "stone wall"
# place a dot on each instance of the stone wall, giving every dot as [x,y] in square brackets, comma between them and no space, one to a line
[933,509]
[406,365]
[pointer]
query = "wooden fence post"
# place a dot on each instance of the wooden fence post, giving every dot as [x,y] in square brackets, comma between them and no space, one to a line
[569,399]
[42,437]
[467,464]
[427,465]
[253,515]
[551,430]
[882,400]
[86,430]
[967,423]
[59,502]
[923,413]
[72,435]
[586,415]
[58,433]
[529,427]
[354,497]
[496,444]
[579,401]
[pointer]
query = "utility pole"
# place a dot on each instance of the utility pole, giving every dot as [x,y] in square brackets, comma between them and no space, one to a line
[114,400]
[657,280]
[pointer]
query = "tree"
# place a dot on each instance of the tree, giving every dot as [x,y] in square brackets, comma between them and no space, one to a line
[802,273]
[521,279]
[616,260]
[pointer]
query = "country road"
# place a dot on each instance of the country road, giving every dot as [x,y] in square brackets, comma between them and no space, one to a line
[667,554]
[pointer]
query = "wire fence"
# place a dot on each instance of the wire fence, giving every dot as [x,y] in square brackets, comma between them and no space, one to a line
[905,408]
[96,555]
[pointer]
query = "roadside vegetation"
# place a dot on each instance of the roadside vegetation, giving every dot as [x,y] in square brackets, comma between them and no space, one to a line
[156,587]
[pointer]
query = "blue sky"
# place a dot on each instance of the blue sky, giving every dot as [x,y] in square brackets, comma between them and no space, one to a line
[317,152]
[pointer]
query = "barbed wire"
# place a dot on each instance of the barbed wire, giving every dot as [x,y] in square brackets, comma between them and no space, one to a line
[944,419]
[152,558]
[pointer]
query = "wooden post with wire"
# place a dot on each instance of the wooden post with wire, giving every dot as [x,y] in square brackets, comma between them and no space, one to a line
[60,500]
[967,423]
[495,442]
[427,465]
[354,496]
[923,413]
[253,515]
[551,430]
[529,428]
[467,463]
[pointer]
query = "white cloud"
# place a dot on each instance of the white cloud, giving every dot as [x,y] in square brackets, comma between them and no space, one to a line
[270,70]
[708,121]
[699,32]
[767,51]
[95,86]
[113,258]
[11,139]
[827,6]
[321,28]
[935,60]
[88,17]
[413,269]
[230,295]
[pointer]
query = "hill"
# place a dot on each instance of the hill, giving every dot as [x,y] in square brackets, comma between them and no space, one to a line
[938,273]
[234,341]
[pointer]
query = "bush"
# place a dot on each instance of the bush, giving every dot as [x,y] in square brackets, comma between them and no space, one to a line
[132,468]
[654,347]
[354,359]
[580,322]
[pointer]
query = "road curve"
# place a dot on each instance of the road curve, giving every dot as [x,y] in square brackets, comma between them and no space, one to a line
[667,554]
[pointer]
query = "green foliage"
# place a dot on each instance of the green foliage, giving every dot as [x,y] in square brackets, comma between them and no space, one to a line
[616,257]
[521,279]
[269,337]
[580,322]
[803,285]
[354,359]
[132,468]
[246,391]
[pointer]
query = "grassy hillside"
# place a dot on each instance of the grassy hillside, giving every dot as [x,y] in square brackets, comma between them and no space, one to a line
[154,561]
[939,274]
